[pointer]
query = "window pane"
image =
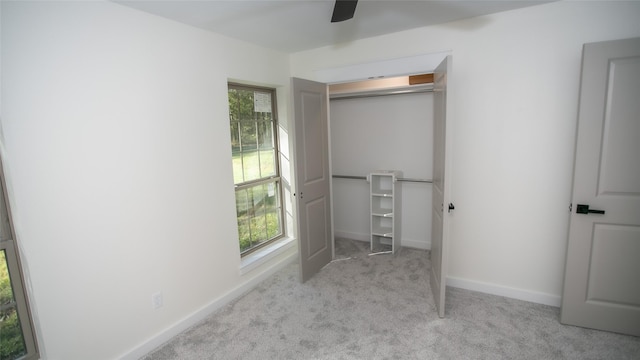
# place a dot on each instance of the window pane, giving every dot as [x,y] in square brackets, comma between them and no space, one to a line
[248,133]
[273,210]
[234,108]
[238,173]
[235,138]
[12,344]
[273,224]
[258,214]
[242,208]
[258,228]
[259,222]
[264,116]
[251,165]
[267,163]
[245,104]
[265,135]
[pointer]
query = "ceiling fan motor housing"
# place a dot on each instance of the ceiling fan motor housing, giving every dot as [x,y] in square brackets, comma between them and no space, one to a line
[343,10]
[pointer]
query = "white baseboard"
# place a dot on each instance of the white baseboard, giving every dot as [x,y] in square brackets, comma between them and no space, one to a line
[514,293]
[192,319]
[414,244]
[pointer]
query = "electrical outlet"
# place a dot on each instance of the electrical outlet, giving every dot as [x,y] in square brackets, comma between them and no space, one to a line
[156,300]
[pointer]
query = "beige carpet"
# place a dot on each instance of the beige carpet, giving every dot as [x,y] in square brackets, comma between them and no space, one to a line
[381,307]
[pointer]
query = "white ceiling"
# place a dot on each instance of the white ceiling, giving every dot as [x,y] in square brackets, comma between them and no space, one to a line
[291,26]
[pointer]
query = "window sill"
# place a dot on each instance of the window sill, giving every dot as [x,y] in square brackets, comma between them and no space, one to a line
[261,256]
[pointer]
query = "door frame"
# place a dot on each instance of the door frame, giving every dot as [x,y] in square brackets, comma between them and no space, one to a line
[425,63]
[404,66]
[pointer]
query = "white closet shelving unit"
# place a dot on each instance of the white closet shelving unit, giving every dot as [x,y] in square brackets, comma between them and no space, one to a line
[385,195]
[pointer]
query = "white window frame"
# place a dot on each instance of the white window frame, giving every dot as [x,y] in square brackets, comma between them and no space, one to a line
[276,179]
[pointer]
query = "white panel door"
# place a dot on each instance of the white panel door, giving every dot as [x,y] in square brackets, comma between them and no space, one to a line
[602,274]
[312,176]
[440,187]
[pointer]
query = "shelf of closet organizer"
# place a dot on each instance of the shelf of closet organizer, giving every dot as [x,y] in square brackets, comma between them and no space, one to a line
[382,206]
[383,213]
[382,226]
[383,240]
[382,183]
[386,232]
[382,193]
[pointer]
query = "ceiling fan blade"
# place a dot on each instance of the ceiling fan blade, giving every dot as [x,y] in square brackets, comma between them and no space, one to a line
[343,10]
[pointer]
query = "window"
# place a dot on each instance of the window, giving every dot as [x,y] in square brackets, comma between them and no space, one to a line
[17,340]
[256,173]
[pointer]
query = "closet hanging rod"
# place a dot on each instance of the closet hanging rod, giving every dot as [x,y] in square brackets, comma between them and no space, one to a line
[428,181]
[349,177]
[365,178]
[384,92]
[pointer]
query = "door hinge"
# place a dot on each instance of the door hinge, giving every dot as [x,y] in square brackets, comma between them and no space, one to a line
[570,207]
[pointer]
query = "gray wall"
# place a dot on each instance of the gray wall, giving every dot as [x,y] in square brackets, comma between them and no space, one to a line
[382,133]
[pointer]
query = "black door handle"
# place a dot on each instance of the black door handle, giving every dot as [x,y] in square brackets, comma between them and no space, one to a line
[584,209]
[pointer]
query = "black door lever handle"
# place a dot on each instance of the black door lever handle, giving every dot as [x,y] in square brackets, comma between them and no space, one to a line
[584,209]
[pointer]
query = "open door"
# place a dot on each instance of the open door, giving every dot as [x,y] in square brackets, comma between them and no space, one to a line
[601,283]
[440,187]
[312,175]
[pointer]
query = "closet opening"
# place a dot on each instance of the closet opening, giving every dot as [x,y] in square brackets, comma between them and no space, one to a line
[377,126]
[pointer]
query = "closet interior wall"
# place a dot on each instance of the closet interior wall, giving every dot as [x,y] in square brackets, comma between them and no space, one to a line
[391,132]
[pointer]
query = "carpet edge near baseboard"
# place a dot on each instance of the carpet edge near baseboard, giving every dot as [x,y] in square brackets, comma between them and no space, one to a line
[509,292]
[185,323]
